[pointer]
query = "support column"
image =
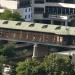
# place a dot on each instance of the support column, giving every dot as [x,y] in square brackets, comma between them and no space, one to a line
[35,51]
[66,23]
[40,51]
[52,22]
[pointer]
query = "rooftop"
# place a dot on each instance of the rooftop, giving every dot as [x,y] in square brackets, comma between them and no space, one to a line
[48,28]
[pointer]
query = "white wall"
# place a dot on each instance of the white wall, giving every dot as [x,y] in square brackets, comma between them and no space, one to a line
[10,4]
[2,10]
[25,12]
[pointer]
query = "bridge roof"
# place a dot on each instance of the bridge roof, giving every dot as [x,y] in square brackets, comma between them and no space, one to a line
[56,29]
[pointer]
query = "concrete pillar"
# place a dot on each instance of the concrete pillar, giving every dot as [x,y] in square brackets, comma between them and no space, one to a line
[35,51]
[52,22]
[66,23]
[40,51]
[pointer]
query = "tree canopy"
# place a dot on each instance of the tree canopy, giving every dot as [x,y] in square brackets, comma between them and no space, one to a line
[51,65]
[8,15]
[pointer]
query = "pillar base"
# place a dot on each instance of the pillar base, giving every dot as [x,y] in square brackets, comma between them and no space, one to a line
[40,51]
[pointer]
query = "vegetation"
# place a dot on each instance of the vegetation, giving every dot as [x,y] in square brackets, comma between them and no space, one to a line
[51,65]
[8,15]
[7,50]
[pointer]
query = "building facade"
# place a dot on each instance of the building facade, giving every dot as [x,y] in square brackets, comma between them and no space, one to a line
[26,13]
[17,5]
[52,11]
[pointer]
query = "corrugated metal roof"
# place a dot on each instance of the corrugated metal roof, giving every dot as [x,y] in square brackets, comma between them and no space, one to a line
[57,29]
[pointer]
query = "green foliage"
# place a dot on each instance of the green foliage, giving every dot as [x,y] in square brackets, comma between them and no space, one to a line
[58,65]
[6,51]
[26,67]
[2,59]
[52,65]
[8,15]
[9,51]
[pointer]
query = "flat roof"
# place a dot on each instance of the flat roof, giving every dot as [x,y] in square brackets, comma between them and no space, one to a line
[39,27]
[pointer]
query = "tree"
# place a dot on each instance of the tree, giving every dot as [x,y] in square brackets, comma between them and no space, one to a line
[8,15]
[8,50]
[26,67]
[52,65]
[56,65]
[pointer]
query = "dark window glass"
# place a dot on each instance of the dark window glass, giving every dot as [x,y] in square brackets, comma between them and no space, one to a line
[71,11]
[38,10]
[63,11]
[59,10]
[67,11]
[38,1]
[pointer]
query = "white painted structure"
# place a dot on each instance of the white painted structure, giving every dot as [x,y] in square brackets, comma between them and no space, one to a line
[2,10]
[26,13]
[10,4]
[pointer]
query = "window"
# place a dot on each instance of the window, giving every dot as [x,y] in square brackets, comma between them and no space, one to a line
[25,10]
[25,16]
[63,10]
[59,10]
[29,9]
[63,1]
[39,1]
[67,11]
[29,16]
[38,10]
[53,0]
[68,1]
[71,10]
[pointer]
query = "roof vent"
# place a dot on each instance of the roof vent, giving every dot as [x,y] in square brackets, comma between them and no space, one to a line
[5,22]
[57,28]
[44,26]
[31,25]
[67,29]
[18,23]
